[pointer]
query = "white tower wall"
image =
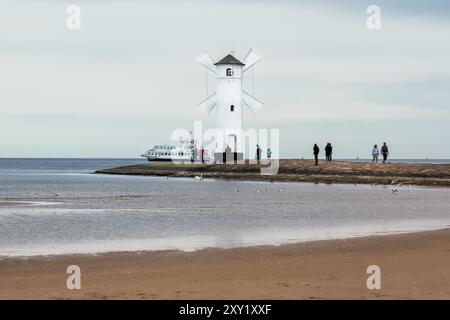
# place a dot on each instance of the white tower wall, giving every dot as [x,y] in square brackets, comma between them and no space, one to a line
[229,104]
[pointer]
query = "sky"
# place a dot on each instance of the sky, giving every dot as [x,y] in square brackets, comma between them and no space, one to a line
[128,77]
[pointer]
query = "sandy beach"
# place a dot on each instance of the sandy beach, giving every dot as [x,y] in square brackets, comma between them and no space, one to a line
[413,266]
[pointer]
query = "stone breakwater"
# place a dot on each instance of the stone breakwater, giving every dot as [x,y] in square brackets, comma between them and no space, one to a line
[302,171]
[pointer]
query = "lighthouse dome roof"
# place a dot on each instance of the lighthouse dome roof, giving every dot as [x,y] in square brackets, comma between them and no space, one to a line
[229,59]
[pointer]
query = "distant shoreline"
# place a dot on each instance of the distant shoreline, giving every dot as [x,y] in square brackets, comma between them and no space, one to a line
[141,160]
[352,172]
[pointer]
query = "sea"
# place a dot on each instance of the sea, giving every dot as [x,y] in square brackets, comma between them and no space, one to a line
[59,206]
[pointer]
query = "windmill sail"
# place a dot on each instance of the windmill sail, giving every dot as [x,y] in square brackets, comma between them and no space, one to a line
[208,104]
[206,60]
[252,102]
[250,59]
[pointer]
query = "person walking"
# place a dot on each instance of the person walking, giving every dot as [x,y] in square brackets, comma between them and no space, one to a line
[375,154]
[384,151]
[328,152]
[316,151]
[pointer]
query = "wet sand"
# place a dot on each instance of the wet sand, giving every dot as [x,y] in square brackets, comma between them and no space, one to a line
[413,266]
[303,171]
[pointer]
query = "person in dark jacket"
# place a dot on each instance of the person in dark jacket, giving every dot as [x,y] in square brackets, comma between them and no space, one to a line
[328,152]
[384,151]
[202,154]
[258,152]
[316,151]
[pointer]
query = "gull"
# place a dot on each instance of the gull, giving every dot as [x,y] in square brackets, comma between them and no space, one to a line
[258,191]
[341,191]
[236,190]
[281,190]
[395,191]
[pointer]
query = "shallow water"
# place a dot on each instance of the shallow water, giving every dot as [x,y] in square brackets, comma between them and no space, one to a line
[57,206]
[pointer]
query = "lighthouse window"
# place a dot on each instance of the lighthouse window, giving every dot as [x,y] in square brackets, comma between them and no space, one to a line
[232,108]
[229,72]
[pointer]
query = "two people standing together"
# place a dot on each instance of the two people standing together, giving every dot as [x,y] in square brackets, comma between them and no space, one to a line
[328,152]
[376,152]
[259,153]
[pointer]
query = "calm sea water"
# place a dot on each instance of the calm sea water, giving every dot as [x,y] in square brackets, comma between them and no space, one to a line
[56,206]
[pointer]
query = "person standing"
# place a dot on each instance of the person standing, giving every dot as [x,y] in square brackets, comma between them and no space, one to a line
[258,153]
[328,152]
[269,153]
[316,151]
[384,151]
[331,153]
[375,154]
[202,154]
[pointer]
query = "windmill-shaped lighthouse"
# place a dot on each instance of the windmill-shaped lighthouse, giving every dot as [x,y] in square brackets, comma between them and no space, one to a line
[230,98]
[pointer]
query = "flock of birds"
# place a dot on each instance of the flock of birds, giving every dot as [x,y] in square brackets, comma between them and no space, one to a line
[200,178]
[264,190]
[395,189]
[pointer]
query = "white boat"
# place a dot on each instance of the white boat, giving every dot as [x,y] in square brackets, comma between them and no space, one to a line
[184,152]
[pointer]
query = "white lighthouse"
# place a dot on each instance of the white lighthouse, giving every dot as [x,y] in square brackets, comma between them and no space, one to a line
[230,98]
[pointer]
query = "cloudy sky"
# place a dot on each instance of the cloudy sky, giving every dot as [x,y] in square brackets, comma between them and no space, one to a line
[128,78]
